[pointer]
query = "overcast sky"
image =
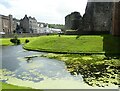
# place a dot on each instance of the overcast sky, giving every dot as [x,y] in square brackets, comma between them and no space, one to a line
[48,11]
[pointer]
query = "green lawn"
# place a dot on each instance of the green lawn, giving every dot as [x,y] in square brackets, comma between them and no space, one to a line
[67,44]
[9,86]
[6,41]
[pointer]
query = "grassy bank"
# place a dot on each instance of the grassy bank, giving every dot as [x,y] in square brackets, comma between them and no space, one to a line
[6,41]
[67,44]
[9,86]
[96,70]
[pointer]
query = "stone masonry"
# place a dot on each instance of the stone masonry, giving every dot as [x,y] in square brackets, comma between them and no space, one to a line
[29,24]
[98,16]
[6,24]
[72,21]
[116,19]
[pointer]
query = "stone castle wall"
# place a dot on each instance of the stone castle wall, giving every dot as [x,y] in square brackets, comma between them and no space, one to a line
[116,19]
[72,21]
[98,16]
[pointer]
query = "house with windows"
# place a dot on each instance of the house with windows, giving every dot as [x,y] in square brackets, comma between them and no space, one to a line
[43,28]
[29,24]
[6,24]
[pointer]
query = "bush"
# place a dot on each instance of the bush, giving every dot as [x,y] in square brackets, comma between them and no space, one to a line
[26,41]
[18,41]
[15,41]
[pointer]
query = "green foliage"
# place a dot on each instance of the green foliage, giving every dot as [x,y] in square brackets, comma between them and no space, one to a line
[27,41]
[15,36]
[15,41]
[58,26]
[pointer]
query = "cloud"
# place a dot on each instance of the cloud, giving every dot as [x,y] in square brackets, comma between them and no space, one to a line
[50,11]
[5,3]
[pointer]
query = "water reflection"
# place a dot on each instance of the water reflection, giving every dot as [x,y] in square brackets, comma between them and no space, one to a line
[28,66]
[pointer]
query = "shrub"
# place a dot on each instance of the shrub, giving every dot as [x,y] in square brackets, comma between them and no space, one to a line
[18,41]
[26,41]
[15,40]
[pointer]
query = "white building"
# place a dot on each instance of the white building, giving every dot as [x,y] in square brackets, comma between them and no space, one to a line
[53,30]
[43,28]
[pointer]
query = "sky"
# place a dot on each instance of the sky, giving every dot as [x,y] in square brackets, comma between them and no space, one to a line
[48,11]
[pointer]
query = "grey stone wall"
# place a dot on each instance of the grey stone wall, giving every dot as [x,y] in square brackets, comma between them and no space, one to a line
[72,21]
[67,22]
[98,16]
[116,19]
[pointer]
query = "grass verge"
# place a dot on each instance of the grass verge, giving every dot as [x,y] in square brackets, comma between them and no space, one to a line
[9,86]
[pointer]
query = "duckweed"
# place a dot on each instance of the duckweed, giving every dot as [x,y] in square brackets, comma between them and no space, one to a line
[95,69]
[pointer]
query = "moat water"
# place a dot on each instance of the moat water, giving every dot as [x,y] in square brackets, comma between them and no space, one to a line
[37,72]
[48,73]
